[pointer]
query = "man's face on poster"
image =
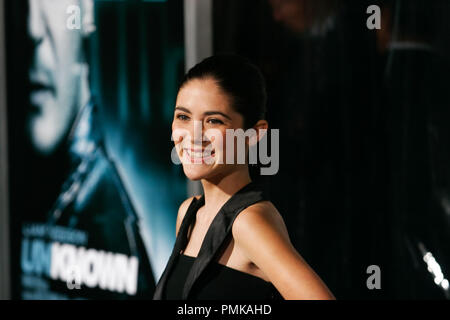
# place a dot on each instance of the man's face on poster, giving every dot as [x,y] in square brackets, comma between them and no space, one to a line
[58,73]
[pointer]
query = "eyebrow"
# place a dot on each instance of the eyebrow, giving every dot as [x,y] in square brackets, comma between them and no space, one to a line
[206,113]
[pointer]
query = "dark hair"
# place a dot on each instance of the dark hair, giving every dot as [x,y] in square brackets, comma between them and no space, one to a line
[241,80]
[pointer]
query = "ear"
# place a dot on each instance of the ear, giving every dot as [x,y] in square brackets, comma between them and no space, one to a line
[261,128]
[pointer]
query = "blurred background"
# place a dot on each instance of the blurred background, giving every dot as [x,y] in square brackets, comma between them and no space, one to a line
[359,92]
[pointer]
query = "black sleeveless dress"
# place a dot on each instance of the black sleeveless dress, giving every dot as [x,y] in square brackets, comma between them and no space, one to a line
[202,278]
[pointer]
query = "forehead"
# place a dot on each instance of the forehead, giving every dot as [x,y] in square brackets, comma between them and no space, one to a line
[53,16]
[202,95]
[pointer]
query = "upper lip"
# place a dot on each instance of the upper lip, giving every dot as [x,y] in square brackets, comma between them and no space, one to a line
[41,80]
[196,150]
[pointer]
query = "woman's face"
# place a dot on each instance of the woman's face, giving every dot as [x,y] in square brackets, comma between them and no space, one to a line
[202,115]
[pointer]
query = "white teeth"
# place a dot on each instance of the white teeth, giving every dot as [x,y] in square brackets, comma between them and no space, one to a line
[196,154]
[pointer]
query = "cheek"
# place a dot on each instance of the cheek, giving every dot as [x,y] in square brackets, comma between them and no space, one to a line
[178,133]
[217,138]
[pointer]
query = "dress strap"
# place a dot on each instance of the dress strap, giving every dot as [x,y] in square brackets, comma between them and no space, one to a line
[219,231]
[216,236]
[180,244]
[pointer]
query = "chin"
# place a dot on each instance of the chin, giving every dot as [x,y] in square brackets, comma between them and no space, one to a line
[45,136]
[196,172]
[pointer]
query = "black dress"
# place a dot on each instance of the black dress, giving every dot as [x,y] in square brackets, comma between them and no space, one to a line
[203,278]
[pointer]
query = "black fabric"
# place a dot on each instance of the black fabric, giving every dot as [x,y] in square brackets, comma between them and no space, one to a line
[217,235]
[219,283]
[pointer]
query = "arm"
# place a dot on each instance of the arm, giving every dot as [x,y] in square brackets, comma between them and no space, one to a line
[261,227]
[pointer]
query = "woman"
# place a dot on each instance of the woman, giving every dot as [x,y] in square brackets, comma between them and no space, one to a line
[231,241]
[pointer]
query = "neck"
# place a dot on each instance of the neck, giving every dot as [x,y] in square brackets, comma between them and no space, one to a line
[218,190]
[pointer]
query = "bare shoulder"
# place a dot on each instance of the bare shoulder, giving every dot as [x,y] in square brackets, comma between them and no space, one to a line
[261,235]
[257,220]
[182,211]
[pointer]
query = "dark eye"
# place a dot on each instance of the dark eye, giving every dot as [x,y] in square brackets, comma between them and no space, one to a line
[215,121]
[182,117]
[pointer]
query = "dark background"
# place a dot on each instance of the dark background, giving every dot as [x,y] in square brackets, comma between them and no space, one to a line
[359,123]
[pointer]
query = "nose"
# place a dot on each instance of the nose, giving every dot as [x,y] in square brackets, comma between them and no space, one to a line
[197,133]
[36,22]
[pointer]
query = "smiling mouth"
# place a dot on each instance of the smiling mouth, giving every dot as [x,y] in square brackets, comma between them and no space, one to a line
[198,155]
